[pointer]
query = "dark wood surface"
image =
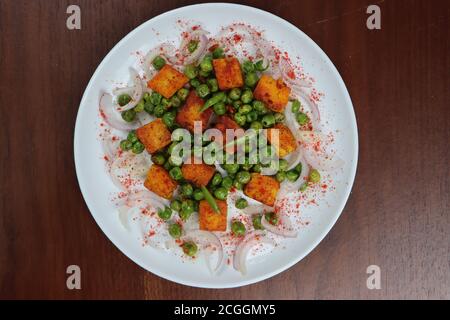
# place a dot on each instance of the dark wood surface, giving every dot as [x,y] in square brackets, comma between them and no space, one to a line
[397,216]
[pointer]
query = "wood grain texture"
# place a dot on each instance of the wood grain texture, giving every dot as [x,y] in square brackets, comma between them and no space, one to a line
[397,216]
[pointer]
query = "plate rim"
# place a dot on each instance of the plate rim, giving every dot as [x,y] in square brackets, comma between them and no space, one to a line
[321,235]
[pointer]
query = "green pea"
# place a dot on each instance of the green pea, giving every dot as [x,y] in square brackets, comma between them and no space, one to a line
[187,189]
[216,179]
[238,228]
[272,218]
[166,103]
[279,117]
[281,176]
[243,177]
[218,53]
[132,137]
[231,168]
[146,96]
[123,99]
[169,118]
[149,107]
[248,66]
[227,182]
[192,46]
[246,165]
[206,64]
[303,187]
[240,119]
[241,203]
[314,176]
[195,82]
[175,230]
[137,147]
[175,205]
[237,104]
[258,106]
[221,193]
[282,164]
[190,71]
[268,120]
[235,94]
[220,108]
[203,74]
[187,208]
[292,175]
[139,107]
[198,195]
[165,213]
[252,116]
[212,84]
[183,94]
[256,125]
[246,108]
[302,118]
[298,168]
[251,79]
[128,115]
[155,98]
[190,248]
[175,173]
[295,106]
[167,166]
[238,185]
[247,96]
[125,145]
[158,159]
[256,168]
[158,62]
[159,111]
[256,220]
[259,66]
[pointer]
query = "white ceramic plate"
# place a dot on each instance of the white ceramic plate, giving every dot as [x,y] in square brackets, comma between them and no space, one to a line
[336,109]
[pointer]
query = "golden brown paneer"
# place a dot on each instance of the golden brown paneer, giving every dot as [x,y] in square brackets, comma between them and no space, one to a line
[159,181]
[198,174]
[274,93]
[286,142]
[228,73]
[224,123]
[209,220]
[154,135]
[167,81]
[262,188]
[190,112]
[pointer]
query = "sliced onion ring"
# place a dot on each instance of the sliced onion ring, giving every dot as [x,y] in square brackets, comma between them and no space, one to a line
[285,232]
[242,250]
[137,91]
[206,239]
[111,116]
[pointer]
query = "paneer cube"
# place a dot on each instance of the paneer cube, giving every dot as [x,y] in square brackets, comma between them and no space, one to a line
[228,73]
[274,93]
[154,135]
[209,220]
[190,112]
[262,188]
[198,174]
[159,181]
[285,143]
[167,81]
[224,123]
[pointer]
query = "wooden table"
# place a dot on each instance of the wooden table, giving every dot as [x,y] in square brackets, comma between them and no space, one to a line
[397,216]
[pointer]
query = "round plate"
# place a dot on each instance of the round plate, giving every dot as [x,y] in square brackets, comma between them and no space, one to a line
[336,109]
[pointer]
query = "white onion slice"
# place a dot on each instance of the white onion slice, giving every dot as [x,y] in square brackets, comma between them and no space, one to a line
[137,91]
[206,239]
[295,84]
[284,231]
[197,35]
[323,161]
[242,250]
[112,117]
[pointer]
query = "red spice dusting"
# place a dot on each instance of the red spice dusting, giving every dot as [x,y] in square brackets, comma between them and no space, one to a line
[106,158]
[237,38]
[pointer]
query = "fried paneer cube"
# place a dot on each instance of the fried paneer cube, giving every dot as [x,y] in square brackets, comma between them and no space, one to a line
[199,174]
[154,135]
[159,181]
[228,73]
[209,220]
[190,112]
[224,123]
[285,143]
[274,93]
[262,188]
[167,81]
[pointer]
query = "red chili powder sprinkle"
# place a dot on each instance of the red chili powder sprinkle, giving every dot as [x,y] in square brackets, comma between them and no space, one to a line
[237,38]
